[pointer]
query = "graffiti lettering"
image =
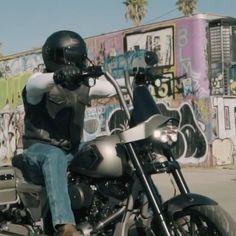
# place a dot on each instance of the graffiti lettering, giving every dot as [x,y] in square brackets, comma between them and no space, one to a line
[192,146]
[11,89]
[118,64]
[10,134]
[201,91]
[184,61]
[168,87]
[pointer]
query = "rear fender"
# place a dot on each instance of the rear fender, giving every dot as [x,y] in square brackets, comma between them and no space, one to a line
[184,201]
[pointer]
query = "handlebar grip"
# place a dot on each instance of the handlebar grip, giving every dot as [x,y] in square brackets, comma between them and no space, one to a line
[94,71]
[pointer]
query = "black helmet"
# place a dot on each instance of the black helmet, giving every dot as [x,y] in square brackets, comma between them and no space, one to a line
[64,48]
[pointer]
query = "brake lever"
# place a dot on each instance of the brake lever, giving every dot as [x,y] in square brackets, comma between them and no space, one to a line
[95,71]
[90,75]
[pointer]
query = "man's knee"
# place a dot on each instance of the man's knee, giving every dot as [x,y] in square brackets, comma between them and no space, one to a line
[55,155]
[45,153]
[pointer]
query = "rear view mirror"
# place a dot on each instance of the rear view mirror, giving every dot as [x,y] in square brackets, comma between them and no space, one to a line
[151,58]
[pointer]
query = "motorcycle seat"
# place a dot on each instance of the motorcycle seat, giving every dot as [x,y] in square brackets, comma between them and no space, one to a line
[17,162]
[23,185]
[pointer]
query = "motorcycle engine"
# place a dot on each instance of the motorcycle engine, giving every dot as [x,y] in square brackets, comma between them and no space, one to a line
[96,201]
[113,188]
[81,195]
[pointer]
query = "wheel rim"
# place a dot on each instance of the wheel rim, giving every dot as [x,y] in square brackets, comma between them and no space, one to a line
[193,223]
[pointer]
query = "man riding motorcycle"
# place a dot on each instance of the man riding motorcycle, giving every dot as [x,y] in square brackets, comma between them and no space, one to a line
[55,103]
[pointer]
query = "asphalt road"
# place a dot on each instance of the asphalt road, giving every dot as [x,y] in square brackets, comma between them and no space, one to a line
[216,183]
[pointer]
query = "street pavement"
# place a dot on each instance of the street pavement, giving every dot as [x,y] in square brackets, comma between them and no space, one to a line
[216,183]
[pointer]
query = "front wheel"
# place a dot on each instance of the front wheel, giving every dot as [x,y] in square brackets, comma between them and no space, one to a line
[203,220]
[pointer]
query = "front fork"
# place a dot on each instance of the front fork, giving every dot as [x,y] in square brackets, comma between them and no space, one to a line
[176,172]
[150,190]
[144,175]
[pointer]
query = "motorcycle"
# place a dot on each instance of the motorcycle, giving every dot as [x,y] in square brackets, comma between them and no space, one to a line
[110,179]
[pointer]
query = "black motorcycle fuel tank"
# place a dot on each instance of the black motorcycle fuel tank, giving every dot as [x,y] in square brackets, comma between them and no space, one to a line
[103,157]
[144,105]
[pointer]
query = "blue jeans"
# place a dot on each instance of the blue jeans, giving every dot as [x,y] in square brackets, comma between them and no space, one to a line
[47,165]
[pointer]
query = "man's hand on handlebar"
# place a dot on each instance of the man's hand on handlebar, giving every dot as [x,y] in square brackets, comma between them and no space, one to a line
[94,71]
[67,77]
[71,77]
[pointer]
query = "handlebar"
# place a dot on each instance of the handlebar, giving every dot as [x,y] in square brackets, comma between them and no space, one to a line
[90,74]
[92,71]
[149,75]
[95,72]
[145,75]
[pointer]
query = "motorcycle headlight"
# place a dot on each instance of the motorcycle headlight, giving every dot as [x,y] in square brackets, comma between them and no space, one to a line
[167,134]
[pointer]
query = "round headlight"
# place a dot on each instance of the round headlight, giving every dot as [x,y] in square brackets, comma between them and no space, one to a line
[167,134]
[157,134]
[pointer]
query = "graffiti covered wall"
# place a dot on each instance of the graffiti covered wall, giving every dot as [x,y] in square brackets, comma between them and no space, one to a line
[222,87]
[191,54]
[206,122]
[105,46]
[14,72]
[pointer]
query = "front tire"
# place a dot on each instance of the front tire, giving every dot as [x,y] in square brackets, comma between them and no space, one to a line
[204,220]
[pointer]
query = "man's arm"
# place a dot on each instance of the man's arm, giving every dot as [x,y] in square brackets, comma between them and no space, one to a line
[103,88]
[40,83]
[37,85]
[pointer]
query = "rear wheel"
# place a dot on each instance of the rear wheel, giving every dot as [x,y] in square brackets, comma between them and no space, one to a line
[204,221]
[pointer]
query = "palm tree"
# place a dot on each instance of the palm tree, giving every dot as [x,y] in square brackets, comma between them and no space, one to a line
[187,7]
[135,10]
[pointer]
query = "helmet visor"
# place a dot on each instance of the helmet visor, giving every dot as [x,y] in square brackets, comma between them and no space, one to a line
[70,56]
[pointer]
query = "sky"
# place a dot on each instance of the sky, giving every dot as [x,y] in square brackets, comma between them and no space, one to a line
[25,24]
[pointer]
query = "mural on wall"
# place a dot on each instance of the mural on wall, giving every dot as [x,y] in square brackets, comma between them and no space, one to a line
[225,131]
[160,41]
[103,120]
[217,84]
[124,62]
[11,88]
[232,75]
[191,55]
[169,86]
[106,119]
[14,72]
[222,57]
[104,46]
[22,63]
[207,120]
[11,130]
[11,116]
[192,145]
[223,86]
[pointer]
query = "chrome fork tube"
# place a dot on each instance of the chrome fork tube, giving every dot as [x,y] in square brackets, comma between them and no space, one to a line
[148,186]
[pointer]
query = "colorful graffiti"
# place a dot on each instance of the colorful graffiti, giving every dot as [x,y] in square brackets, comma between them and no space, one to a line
[11,130]
[208,119]
[190,47]
[225,128]
[104,46]
[27,62]
[160,41]
[192,146]
[11,89]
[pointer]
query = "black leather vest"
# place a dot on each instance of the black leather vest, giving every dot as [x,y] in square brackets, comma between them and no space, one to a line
[58,119]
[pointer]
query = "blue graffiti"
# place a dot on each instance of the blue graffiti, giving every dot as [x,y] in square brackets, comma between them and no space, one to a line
[117,65]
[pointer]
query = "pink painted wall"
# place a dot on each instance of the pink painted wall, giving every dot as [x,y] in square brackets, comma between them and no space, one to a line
[191,53]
